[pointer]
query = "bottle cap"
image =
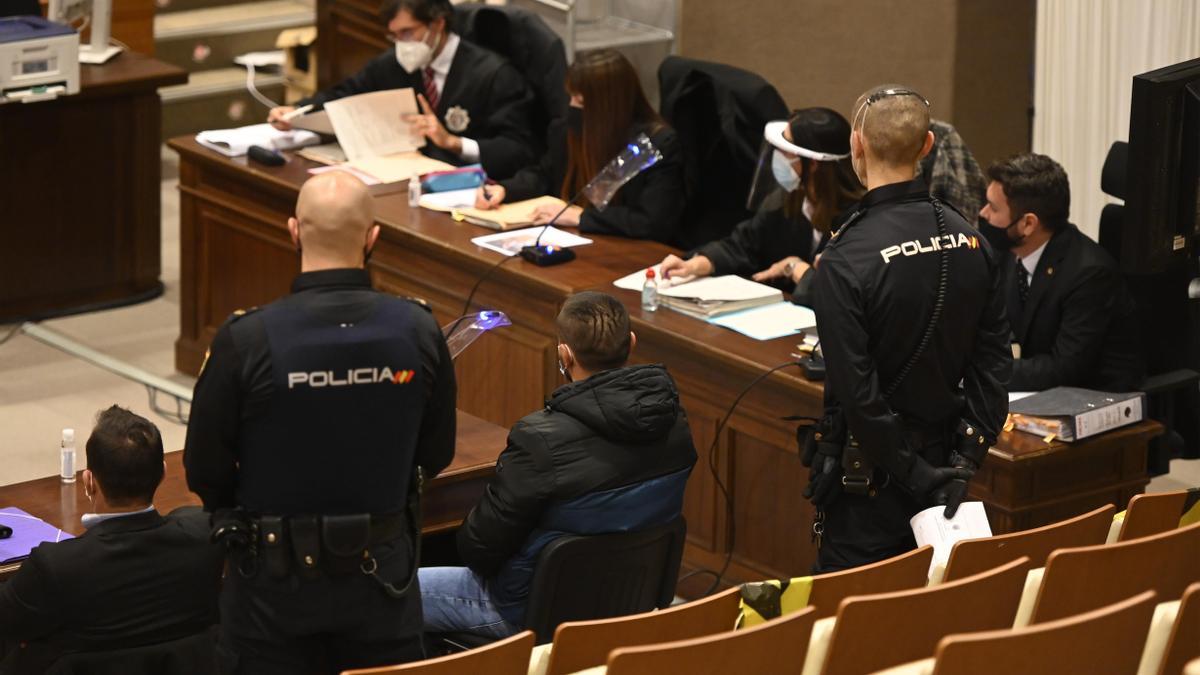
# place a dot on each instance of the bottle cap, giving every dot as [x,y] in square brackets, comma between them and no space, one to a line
[68,436]
[649,272]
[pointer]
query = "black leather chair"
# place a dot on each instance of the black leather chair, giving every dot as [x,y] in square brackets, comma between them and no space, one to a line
[580,578]
[719,112]
[1172,394]
[192,655]
[524,38]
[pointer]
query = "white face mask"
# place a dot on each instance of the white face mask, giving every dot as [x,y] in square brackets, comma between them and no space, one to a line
[413,54]
[784,174]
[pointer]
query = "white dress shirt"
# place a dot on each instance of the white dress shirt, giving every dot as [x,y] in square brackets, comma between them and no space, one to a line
[1031,261]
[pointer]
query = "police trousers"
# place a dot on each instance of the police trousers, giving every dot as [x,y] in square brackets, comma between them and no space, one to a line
[321,625]
[861,529]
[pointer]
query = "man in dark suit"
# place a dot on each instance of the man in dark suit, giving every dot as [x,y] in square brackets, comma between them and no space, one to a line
[1071,313]
[475,106]
[134,578]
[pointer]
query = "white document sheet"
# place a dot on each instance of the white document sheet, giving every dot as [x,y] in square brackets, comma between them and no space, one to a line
[768,321]
[398,167]
[931,527]
[635,281]
[375,124]
[1014,396]
[449,200]
[510,242]
[236,142]
[726,288]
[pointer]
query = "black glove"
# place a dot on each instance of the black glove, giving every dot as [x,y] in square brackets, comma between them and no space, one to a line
[825,476]
[924,480]
[954,491]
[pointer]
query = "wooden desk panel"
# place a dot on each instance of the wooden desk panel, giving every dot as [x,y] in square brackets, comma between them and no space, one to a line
[447,500]
[236,253]
[80,188]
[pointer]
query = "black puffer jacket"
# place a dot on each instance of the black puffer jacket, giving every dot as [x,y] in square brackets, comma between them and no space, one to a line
[609,454]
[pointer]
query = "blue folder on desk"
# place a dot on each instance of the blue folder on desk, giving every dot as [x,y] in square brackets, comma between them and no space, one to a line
[28,532]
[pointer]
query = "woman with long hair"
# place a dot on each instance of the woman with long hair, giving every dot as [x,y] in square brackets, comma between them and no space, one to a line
[810,165]
[608,110]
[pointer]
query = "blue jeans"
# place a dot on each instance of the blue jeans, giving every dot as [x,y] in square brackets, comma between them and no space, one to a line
[455,600]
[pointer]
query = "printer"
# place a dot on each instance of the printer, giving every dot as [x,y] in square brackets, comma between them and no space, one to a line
[39,59]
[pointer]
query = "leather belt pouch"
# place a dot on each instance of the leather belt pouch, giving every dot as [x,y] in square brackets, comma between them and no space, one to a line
[306,544]
[346,539]
[273,540]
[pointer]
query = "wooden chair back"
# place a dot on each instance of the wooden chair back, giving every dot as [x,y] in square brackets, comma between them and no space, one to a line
[973,556]
[909,570]
[1079,580]
[1104,640]
[1149,514]
[874,632]
[585,644]
[1184,643]
[506,657]
[777,646]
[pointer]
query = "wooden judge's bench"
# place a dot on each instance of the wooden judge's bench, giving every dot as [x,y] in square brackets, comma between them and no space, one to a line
[236,253]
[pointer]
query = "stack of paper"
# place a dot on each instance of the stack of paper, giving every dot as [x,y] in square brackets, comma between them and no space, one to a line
[511,243]
[507,216]
[449,200]
[931,527]
[709,296]
[237,142]
[768,322]
[27,533]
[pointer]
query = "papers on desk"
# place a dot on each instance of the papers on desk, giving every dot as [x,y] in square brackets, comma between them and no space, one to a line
[366,178]
[706,297]
[317,122]
[510,243]
[329,153]
[237,142]
[931,527]
[27,533]
[375,124]
[449,200]
[398,167]
[769,321]
[507,216]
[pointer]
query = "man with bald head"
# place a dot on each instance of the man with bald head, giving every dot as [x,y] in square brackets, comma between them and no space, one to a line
[313,421]
[912,326]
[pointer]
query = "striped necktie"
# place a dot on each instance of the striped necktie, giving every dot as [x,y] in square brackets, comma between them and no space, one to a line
[431,89]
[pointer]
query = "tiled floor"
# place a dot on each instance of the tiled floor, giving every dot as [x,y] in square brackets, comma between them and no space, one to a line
[43,390]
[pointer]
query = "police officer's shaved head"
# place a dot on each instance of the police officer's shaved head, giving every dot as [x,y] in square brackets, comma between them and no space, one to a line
[335,221]
[891,123]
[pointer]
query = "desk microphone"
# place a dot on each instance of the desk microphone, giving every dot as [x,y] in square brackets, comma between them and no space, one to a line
[544,256]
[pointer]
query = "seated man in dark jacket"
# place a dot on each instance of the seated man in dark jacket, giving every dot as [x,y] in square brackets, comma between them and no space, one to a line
[1073,319]
[610,452]
[475,106]
[134,578]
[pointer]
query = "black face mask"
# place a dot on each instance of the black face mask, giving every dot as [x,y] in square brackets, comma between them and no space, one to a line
[575,120]
[998,236]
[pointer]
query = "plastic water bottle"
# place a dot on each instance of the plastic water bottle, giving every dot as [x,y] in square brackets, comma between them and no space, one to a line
[414,190]
[650,292]
[67,463]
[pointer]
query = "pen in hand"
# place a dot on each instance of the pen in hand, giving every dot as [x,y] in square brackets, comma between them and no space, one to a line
[302,110]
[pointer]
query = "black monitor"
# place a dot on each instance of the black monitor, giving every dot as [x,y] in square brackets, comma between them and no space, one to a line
[1162,218]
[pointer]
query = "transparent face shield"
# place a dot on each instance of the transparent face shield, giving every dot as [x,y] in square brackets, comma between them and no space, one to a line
[633,159]
[466,329]
[778,170]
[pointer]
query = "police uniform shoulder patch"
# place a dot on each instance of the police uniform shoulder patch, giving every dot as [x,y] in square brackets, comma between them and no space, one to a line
[239,313]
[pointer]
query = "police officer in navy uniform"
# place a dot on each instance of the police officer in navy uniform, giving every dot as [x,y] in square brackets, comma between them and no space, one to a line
[312,422]
[912,326]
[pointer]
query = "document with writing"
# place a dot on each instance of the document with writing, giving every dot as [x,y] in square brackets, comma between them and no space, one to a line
[931,527]
[507,216]
[375,124]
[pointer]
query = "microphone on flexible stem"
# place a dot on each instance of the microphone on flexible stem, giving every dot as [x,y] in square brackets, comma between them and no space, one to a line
[544,256]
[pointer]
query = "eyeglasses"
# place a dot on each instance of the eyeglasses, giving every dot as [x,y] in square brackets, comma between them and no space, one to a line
[879,96]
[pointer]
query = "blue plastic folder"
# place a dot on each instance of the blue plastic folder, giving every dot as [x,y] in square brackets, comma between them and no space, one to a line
[28,532]
[462,178]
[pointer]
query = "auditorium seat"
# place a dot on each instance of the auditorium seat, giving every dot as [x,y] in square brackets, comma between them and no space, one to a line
[1078,580]
[872,632]
[825,591]
[976,555]
[506,657]
[1103,640]
[775,647]
[585,644]
[1151,514]
[1183,641]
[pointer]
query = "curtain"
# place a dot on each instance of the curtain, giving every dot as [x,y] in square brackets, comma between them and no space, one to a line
[1086,56]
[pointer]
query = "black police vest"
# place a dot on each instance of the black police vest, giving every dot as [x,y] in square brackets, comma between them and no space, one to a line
[340,430]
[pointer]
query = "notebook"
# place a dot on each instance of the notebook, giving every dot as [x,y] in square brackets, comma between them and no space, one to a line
[28,532]
[507,216]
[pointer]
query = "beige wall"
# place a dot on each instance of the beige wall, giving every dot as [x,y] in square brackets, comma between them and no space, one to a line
[971,58]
